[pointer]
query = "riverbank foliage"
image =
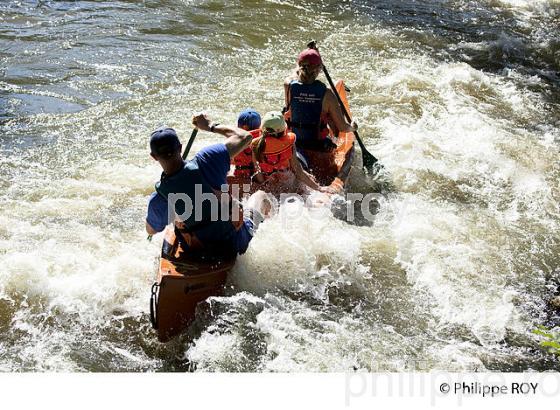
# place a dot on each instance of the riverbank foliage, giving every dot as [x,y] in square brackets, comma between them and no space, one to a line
[551,340]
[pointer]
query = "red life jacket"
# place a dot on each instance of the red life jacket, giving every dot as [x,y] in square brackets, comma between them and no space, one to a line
[278,153]
[243,161]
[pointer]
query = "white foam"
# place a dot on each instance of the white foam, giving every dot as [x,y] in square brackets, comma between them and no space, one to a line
[288,251]
[468,177]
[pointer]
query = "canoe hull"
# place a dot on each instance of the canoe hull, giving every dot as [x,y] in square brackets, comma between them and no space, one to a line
[181,284]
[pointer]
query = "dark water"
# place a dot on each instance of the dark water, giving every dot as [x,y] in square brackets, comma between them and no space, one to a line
[458,99]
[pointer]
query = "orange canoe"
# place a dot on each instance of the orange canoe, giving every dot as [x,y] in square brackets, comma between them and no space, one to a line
[183,282]
[332,168]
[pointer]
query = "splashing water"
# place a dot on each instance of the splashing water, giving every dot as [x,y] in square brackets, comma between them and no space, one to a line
[458,100]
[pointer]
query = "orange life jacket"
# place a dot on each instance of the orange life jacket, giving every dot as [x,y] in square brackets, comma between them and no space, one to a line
[243,161]
[278,152]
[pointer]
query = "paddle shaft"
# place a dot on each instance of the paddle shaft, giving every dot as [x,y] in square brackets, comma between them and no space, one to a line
[189,144]
[344,110]
[368,158]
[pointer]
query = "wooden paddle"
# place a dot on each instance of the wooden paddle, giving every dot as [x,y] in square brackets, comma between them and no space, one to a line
[368,160]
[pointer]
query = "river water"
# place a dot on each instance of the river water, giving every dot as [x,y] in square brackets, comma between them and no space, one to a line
[458,99]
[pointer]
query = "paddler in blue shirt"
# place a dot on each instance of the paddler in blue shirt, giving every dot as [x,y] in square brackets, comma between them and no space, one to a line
[311,106]
[202,227]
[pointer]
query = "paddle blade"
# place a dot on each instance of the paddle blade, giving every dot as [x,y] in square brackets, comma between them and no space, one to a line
[368,161]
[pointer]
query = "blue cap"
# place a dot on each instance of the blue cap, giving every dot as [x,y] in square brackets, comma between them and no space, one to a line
[164,141]
[249,119]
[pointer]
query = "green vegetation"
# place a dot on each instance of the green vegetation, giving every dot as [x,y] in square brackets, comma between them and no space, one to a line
[552,339]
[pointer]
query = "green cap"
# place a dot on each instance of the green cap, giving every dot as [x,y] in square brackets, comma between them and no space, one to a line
[273,121]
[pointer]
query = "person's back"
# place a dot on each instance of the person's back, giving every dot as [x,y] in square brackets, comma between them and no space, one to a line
[194,195]
[311,107]
[207,224]
[307,120]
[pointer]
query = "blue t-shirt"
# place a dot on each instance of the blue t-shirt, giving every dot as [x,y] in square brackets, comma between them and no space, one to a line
[213,162]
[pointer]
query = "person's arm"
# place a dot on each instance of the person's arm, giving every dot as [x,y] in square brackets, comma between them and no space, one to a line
[237,139]
[331,106]
[301,174]
[293,76]
[258,176]
[157,218]
[286,94]
[150,229]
